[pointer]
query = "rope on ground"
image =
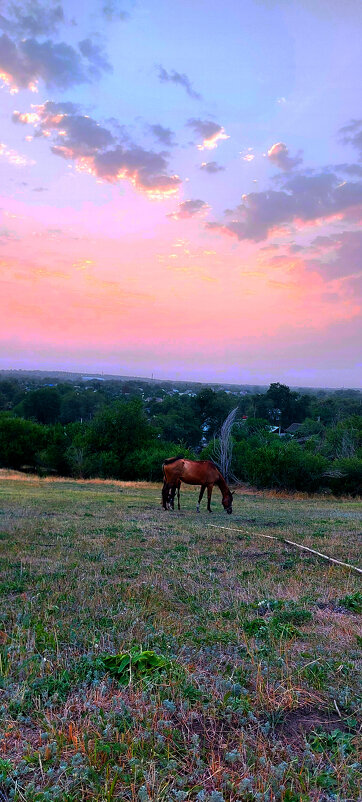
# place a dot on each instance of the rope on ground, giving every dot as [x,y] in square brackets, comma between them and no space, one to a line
[291,543]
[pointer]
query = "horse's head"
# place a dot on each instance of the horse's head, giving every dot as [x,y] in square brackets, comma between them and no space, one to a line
[227,502]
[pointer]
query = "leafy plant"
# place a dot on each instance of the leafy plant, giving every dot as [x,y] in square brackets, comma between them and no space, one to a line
[352,601]
[134,665]
[331,742]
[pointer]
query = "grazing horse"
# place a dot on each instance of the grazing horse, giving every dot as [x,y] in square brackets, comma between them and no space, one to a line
[204,473]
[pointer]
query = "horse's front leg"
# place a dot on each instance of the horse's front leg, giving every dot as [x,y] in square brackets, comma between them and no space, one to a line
[209,493]
[202,491]
[178,496]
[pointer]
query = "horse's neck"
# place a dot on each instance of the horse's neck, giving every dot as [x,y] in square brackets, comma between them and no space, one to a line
[222,485]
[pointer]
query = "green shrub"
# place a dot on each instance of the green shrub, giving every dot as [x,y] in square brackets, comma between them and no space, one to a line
[279,464]
[20,441]
[352,601]
[346,476]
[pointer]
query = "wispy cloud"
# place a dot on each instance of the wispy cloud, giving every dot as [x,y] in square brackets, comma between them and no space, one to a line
[351,134]
[189,208]
[178,78]
[211,167]
[114,9]
[13,157]
[164,135]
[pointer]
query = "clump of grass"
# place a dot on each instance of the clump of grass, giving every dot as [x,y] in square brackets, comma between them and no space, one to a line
[352,601]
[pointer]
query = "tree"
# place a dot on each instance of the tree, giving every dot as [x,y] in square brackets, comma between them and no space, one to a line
[114,433]
[20,442]
[42,404]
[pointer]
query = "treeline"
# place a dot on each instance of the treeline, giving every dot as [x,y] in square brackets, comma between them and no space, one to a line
[125,430]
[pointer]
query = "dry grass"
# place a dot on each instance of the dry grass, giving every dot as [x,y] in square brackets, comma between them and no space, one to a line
[262,651]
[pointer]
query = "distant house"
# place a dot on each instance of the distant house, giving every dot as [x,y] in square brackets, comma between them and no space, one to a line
[293,428]
[277,430]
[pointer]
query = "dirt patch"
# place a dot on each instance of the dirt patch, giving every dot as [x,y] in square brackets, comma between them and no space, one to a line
[334,608]
[17,740]
[297,723]
[254,555]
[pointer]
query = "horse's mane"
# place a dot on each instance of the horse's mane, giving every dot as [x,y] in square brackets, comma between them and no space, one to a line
[172,459]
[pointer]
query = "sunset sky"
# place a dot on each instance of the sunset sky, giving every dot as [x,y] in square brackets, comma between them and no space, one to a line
[181,189]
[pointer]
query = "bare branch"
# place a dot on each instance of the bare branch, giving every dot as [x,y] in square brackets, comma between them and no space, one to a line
[223,446]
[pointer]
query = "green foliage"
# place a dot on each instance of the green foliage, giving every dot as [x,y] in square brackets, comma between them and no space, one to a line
[20,441]
[352,601]
[344,439]
[333,743]
[125,430]
[346,476]
[115,433]
[134,665]
[43,405]
[272,627]
[279,464]
[293,615]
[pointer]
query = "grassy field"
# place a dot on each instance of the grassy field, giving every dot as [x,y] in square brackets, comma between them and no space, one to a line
[253,695]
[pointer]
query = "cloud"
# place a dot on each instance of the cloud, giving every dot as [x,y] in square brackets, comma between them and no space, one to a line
[211,167]
[32,18]
[13,157]
[75,133]
[189,208]
[164,135]
[113,9]
[96,150]
[94,53]
[178,78]
[302,199]
[348,169]
[145,169]
[278,154]
[340,254]
[210,132]
[351,134]
[57,64]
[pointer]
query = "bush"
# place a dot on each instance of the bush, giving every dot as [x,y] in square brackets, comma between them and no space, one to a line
[346,476]
[20,442]
[279,464]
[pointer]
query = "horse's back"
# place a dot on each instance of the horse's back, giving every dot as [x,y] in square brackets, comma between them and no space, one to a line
[190,471]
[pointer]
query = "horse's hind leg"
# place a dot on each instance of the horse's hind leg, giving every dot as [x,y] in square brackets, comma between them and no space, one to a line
[202,491]
[178,496]
[171,497]
[165,492]
[209,493]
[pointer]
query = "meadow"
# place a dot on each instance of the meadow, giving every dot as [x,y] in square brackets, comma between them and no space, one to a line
[145,655]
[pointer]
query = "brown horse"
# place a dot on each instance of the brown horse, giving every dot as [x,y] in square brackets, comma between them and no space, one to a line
[204,473]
